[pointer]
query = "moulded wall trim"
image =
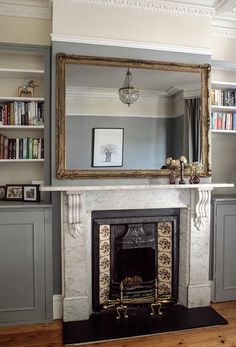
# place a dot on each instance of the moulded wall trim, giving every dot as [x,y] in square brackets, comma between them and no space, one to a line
[130,44]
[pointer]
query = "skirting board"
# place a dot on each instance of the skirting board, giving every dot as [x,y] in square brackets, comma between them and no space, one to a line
[57,307]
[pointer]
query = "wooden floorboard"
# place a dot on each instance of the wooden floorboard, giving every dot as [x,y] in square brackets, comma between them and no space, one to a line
[50,335]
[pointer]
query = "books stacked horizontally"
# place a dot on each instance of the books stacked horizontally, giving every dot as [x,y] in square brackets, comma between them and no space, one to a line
[22,113]
[21,148]
[223,120]
[225,97]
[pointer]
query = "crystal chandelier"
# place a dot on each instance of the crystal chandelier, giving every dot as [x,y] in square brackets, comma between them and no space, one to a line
[128,93]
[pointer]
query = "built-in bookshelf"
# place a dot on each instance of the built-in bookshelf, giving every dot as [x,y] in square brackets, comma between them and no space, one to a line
[24,119]
[223,107]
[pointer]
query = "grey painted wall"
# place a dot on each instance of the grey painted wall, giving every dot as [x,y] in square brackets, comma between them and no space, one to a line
[178,140]
[223,161]
[146,140]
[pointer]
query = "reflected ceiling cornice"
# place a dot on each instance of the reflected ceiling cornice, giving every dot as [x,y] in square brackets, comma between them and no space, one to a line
[39,9]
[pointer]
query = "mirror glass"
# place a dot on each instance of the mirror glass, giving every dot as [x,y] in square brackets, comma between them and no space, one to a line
[100,136]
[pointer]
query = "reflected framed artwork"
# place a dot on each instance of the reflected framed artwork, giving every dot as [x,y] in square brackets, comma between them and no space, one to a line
[107,147]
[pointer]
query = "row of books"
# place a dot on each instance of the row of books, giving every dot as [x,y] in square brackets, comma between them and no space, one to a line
[223,120]
[22,113]
[21,148]
[225,97]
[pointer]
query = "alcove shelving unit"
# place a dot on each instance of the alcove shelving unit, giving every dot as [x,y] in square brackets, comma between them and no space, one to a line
[26,226]
[18,65]
[221,85]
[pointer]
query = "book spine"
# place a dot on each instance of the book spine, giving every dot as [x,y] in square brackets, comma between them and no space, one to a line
[20,148]
[35,148]
[1,146]
[25,148]
[30,148]
[6,148]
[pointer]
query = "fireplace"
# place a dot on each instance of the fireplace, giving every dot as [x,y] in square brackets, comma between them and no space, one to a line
[77,206]
[138,250]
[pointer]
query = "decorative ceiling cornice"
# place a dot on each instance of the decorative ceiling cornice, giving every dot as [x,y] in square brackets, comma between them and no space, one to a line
[229,33]
[225,6]
[111,94]
[40,9]
[159,6]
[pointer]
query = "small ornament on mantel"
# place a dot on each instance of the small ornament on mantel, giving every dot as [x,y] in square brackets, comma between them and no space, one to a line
[195,167]
[183,163]
[172,165]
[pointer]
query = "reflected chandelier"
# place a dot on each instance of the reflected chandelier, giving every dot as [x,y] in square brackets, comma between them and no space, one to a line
[128,93]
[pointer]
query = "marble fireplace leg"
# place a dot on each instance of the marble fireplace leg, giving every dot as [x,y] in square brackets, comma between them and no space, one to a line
[199,287]
[76,245]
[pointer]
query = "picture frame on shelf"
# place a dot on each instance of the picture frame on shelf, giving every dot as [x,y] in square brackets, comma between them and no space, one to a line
[107,147]
[14,192]
[31,192]
[2,192]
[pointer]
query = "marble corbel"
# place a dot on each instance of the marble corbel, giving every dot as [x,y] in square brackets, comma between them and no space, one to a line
[73,210]
[203,198]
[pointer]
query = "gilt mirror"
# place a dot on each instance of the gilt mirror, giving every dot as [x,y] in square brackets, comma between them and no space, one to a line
[101,135]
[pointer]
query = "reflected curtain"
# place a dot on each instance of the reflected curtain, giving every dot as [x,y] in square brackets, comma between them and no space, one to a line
[193,117]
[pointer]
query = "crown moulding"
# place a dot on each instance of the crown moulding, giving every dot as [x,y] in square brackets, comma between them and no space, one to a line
[164,7]
[229,33]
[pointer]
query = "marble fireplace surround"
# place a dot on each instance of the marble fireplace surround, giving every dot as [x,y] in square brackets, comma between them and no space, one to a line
[77,204]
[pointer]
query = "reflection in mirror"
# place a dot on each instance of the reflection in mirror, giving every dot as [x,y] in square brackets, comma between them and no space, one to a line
[168,119]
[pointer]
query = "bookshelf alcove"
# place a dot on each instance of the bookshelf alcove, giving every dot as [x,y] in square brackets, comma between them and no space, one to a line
[24,121]
[26,226]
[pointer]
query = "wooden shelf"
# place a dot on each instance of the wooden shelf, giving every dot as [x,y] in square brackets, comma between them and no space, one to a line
[223,85]
[20,160]
[18,98]
[223,108]
[223,131]
[21,127]
[20,73]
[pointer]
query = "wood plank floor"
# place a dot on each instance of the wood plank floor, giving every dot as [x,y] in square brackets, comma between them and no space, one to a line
[50,335]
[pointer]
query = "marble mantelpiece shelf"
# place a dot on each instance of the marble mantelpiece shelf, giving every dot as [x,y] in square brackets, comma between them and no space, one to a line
[136,187]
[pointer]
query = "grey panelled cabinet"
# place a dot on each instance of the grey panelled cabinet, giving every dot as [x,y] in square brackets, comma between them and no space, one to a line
[25,263]
[224,248]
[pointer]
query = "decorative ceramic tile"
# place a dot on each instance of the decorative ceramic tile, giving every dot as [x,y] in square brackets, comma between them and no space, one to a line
[165,229]
[164,274]
[104,263]
[164,257]
[164,289]
[164,244]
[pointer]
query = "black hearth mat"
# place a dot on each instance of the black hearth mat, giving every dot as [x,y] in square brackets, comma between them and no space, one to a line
[105,326]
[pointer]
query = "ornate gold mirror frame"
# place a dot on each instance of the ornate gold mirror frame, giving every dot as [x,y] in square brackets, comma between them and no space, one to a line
[62,60]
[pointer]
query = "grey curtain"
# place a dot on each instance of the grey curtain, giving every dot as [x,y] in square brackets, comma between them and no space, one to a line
[193,118]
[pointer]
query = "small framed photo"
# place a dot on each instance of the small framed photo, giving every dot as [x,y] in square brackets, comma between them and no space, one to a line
[2,192]
[14,192]
[107,147]
[31,192]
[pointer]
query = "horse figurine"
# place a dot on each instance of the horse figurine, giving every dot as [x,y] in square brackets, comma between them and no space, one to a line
[28,89]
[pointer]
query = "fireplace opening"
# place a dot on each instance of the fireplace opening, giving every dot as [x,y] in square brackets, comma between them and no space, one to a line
[135,265]
[138,249]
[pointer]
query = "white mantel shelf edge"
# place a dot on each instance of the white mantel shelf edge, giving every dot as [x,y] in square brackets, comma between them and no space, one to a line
[136,187]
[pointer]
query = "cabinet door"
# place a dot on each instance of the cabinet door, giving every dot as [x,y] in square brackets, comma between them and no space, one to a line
[225,252]
[22,266]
